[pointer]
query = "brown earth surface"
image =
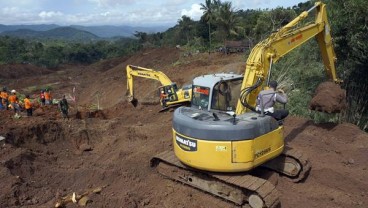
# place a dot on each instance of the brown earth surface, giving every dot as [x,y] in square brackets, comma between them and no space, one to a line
[46,157]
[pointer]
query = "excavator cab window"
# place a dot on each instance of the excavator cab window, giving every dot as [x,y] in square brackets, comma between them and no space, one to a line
[201,97]
[170,91]
[174,86]
[225,93]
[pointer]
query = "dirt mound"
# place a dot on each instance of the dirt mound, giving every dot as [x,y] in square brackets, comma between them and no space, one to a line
[90,114]
[14,71]
[329,97]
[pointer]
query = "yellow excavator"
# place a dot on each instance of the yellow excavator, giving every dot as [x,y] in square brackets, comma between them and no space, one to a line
[221,138]
[170,95]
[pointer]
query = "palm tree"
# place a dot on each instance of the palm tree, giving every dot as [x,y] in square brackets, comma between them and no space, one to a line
[209,9]
[207,13]
[228,21]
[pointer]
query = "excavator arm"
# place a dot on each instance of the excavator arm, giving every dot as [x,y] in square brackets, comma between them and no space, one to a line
[270,50]
[138,71]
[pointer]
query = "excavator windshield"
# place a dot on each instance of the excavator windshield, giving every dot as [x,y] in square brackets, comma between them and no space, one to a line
[225,95]
[201,97]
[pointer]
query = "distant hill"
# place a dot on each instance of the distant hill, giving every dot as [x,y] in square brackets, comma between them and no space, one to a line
[107,31]
[42,27]
[64,33]
[104,31]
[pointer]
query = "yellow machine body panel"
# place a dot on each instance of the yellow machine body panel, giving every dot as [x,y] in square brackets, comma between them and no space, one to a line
[228,156]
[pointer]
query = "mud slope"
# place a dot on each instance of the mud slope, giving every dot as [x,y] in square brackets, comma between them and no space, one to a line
[45,158]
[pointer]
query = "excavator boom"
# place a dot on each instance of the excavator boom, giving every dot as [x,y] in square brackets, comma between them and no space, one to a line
[280,43]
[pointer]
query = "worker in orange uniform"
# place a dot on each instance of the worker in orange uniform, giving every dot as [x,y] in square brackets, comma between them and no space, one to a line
[4,98]
[163,98]
[1,100]
[47,97]
[28,105]
[13,100]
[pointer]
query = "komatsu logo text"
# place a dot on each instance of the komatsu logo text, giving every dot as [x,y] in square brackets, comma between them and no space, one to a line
[262,152]
[144,74]
[186,144]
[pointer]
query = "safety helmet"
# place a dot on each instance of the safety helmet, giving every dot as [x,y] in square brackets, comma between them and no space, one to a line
[13,91]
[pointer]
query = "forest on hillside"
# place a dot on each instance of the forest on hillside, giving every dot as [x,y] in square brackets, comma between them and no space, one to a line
[301,70]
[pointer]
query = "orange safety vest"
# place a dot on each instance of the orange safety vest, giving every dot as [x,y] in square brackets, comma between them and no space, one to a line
[163,95]
[4,95]
[13,99]
[47,95]
[27,103]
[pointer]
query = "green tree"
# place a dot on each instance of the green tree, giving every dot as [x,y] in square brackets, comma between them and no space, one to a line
[186,26]
[209,13]
[228,21]
[349,24]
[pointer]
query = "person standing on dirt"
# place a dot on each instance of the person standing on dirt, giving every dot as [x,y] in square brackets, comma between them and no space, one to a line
[1,100]
[163,98]
[267,98]
[13,100]
[64,107]
[4,98]
[28,105]
[47,95]
[42,97]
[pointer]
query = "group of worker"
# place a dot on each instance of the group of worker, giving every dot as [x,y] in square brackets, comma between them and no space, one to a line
[45,97]
[11,101]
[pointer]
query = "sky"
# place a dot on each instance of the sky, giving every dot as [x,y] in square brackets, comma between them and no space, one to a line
[115,12]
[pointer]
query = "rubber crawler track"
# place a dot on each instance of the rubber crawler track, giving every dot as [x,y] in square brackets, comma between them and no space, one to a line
[247,183]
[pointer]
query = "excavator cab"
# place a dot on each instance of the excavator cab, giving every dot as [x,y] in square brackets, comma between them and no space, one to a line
[216,92]
[170,92]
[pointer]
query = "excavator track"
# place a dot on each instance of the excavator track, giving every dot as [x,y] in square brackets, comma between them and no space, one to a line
[244,190]
[292,164]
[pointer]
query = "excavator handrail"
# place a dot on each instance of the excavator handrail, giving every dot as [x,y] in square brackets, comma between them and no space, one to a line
[278,44]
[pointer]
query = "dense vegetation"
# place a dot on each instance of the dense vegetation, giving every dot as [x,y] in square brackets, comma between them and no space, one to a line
[301,70]
[60,33]
[51,53]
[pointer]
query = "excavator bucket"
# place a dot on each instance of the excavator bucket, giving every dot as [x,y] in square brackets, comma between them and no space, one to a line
[134,102]
[328,98]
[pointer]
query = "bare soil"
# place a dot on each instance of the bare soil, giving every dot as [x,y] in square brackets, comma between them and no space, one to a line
[45,157]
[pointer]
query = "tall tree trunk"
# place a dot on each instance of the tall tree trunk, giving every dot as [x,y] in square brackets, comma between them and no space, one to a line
[209,36]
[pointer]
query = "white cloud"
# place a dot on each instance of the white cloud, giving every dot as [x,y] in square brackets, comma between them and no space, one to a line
[50,14]
[105,14]
[194,13]
[9,10]
[112,3]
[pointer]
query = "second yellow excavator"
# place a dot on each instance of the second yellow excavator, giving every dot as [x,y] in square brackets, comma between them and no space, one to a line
[222,137]
[170,94]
